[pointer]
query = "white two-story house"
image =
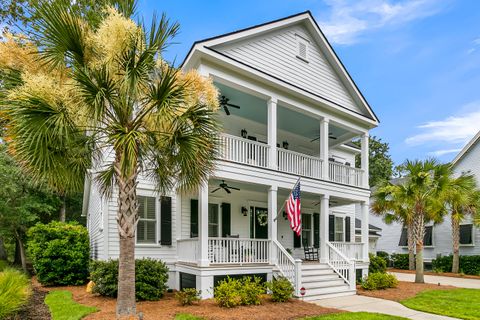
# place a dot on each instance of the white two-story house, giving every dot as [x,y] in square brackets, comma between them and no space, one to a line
[289,110]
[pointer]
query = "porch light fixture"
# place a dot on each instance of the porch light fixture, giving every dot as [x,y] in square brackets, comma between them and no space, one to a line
[243,133]
[285,145]
[244,211]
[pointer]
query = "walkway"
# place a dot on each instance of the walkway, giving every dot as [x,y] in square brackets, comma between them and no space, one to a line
[367,304]
[446,281]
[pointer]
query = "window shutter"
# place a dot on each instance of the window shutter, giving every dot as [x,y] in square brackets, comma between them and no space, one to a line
[403,238]
[226,217]
[316,230]
[296,240]
[146,226]
[193,218]
[428,239]
[347,230]
[331,227]
[166,221]
[466,234]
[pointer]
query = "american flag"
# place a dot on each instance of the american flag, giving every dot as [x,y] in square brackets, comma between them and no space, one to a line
[293,209]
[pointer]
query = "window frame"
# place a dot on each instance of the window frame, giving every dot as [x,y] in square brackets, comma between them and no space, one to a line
[335,228]
[310,230]
[433,237]
[219,219]
[473,235]
[156,243]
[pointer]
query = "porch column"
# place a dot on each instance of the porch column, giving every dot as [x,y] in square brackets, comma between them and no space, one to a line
[272,221]
[364,159]
[324,210]
[324,123]
[364,208]
[272,132]
[203,225]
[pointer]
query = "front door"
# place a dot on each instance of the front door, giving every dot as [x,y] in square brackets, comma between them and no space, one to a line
[258,223]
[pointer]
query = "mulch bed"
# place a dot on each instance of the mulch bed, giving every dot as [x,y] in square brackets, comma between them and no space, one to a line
[36,309]
[404,290]
[168,307]
[442,274]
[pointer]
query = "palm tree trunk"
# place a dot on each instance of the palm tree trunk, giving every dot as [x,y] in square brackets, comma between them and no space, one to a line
[411,247]
[21,248]
[62,215]
[419,231]
[419,278]
[127,217]
[456,245]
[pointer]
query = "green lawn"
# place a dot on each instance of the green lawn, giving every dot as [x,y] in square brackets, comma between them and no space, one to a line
[185,316]
[62,307]
[356,316]
[457,303]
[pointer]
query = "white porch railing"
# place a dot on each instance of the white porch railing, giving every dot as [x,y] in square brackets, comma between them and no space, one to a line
[244,151]
[341,173]
[288,267]
[343,266]
[299,164]
[187,250]
[238,251]
[351,250]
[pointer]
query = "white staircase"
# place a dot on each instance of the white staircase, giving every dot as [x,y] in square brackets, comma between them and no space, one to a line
[321,282]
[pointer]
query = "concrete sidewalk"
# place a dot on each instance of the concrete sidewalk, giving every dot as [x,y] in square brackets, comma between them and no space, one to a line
[446,281]
[366,304]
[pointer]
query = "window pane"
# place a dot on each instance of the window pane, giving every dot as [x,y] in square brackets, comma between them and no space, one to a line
[466,234]
[339,224]
[306,236]
[428,239]
[146,231]
[146,207]
[306,221]
[213,220]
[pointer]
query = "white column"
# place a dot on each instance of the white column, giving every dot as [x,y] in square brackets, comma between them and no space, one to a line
[205,285]
[364,159]
[364,208]
[272,132]
[324,211]
[324,146]
[272,221]
[203,224]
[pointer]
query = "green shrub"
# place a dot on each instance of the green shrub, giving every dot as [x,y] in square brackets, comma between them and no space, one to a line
[150,278]
[187,296]
[281,289]
[227,293]
[468,264]
[376,281]
[59,253]
[377,264]
[385,256]
[14,291]
[400,260]
[3,265]
[251,291]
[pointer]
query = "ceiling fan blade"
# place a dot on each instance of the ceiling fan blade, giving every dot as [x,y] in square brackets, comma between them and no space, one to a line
[232,105]
[226,110]
[226,189]
[233,188]
[332,137]
[315,139]
[215,190]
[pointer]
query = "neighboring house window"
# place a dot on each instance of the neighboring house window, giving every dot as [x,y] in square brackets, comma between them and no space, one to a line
[302,48]
[213,220]
[428,238]
[147,222]
[339,229]
[403,238]
[306,230]
[466,234]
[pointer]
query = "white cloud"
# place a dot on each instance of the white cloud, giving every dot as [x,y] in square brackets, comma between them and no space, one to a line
[475,45]
[439,153]
[349,19]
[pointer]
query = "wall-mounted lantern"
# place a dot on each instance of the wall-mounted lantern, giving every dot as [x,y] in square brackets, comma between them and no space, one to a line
[244,211]
[243,133]
[285,145]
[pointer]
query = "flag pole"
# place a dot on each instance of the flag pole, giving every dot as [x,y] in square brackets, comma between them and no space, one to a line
[283,205]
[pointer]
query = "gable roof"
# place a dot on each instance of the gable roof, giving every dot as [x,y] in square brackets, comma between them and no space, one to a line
[307,19]
[467,148]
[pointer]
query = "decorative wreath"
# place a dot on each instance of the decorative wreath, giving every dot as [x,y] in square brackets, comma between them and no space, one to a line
[262,218]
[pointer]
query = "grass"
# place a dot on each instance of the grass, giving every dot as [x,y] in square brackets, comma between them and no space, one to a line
[3,265]
[458,303]
[356,316]
[62,307]
[14,291]
[185,316]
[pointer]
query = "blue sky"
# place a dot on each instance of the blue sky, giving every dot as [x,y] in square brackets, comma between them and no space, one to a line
[417,62]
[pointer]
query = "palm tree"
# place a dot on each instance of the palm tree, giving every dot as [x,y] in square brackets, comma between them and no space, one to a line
[391,201]
[102,96]
[462,198]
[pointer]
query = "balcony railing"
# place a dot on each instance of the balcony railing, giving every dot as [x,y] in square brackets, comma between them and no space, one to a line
[244,151]
[187,250]
[238,251]
[299,164]
[341,173]
[351,250]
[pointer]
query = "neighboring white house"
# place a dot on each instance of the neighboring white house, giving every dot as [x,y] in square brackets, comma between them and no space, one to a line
[438,238]
[299,111]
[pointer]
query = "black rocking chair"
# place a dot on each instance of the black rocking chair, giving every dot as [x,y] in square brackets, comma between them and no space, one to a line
[311,253]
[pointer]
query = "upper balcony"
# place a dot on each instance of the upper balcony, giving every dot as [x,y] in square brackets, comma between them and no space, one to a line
[268,134]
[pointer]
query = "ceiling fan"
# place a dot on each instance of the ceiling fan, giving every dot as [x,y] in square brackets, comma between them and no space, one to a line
[330,136]
[225,104]
[225,187]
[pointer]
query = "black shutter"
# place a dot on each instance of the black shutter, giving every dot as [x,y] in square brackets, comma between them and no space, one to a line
[166,221]
[193,218]
[403,238]
[347,230]
[316,230]
[428,239]
[296,240]
[466,234]
[226,217]
[331,227]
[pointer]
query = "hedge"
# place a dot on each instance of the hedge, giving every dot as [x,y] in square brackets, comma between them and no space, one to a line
[468,264]
[377,264]
[400,260]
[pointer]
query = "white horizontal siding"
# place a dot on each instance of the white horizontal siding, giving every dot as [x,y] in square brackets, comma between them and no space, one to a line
[95,223]
[276,53]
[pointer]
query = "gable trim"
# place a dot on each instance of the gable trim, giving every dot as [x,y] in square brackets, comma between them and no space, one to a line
[466,149]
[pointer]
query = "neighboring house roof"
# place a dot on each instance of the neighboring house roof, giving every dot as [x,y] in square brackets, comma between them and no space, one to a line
[372,230]
[467,148]
[212,47]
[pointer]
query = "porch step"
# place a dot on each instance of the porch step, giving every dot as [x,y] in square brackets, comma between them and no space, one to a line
[317,272]
[320,277]
[324,284]
[315,266]
[310,297]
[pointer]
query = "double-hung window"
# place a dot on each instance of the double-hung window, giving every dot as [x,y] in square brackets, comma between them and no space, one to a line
[307,230]
[339,229]
[466,234]
[147,222]
[213,220]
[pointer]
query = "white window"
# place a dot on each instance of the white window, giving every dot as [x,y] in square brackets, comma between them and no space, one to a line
[147,222]
[302,48]
[306,230]
[339,229]
[213,220]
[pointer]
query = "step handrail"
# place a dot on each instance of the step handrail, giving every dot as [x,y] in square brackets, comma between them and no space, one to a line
[288,266]
[342,265]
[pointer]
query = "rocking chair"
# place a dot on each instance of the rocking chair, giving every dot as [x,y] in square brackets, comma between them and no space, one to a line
[311,253]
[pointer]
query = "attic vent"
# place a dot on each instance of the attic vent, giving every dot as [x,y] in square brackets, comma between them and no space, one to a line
[302,48]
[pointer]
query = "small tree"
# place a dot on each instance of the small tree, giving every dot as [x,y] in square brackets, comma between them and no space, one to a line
[380,163]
